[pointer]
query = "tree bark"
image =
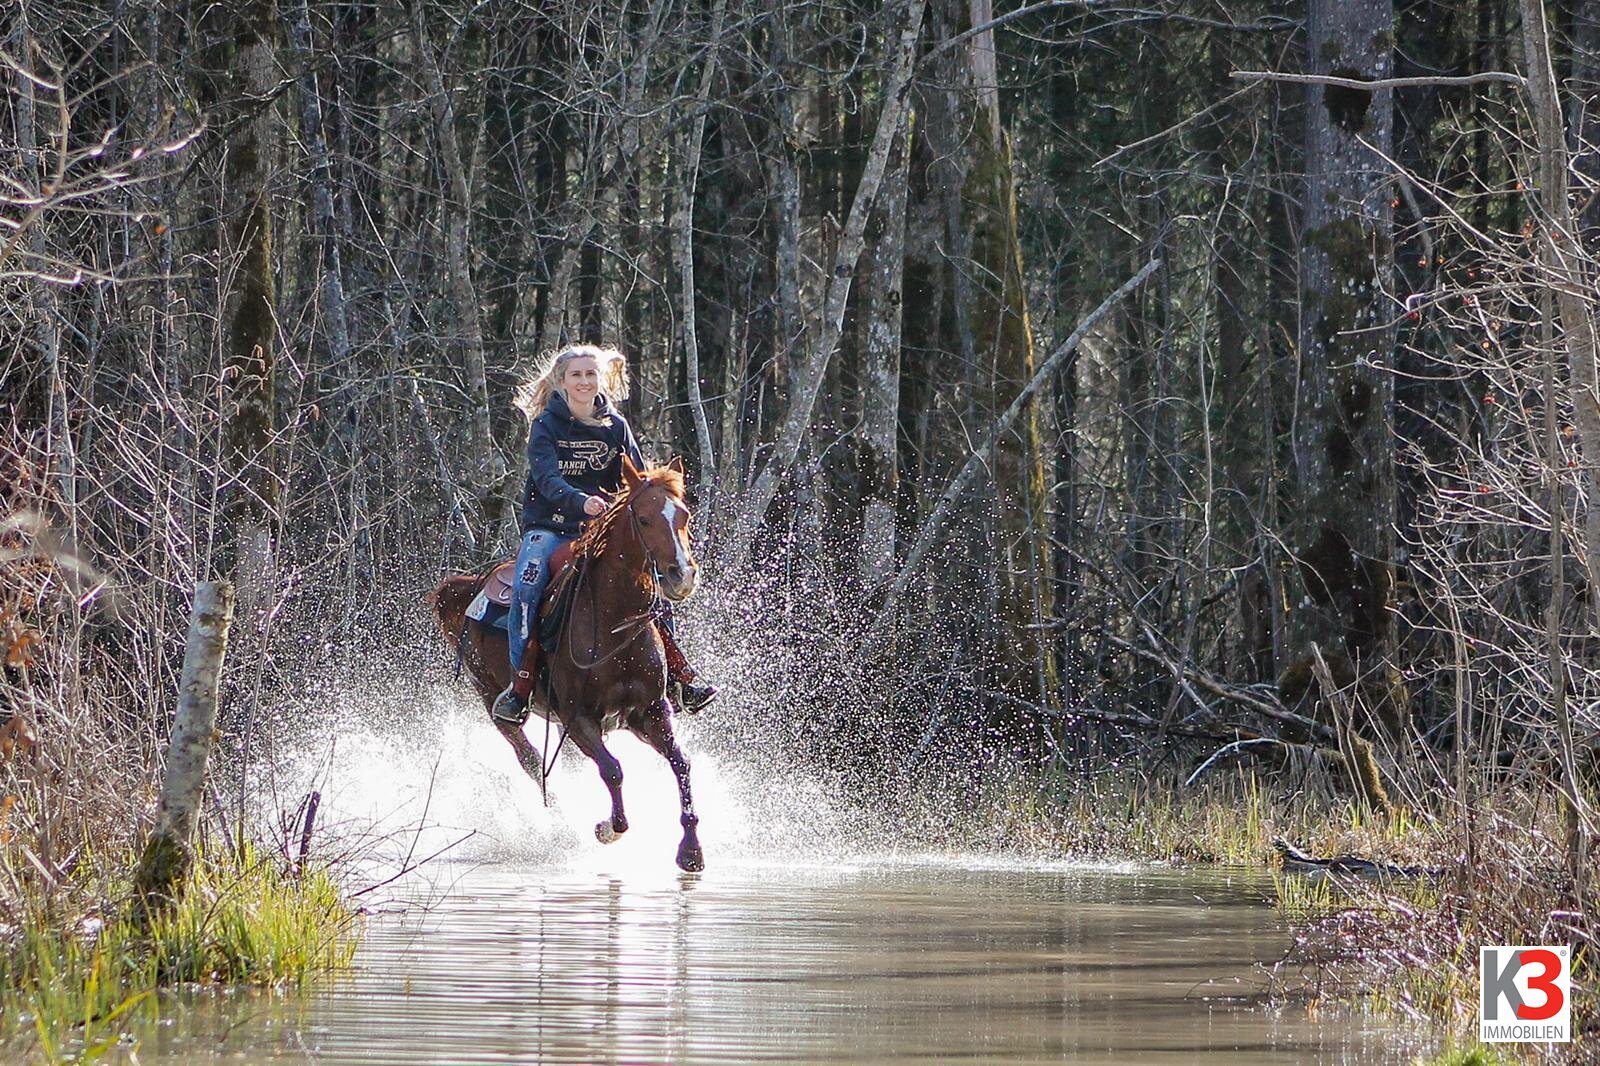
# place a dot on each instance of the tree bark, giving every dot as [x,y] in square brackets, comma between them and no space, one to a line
[166,858]
[996,308]
[981,456]
[488,473]
[683,248]
[1564,272]
[250,315]
[330,281]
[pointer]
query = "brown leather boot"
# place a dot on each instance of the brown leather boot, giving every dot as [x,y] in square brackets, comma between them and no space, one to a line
[690,698]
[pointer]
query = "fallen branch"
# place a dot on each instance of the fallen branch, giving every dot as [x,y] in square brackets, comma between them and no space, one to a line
[1232,693]
[981,456]
[1229,749]
[1234,738]
[1297,861]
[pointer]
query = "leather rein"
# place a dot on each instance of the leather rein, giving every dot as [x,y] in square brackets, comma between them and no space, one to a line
[633,625]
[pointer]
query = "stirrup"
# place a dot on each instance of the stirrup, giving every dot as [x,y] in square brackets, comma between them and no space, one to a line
[509,707]
[691,698]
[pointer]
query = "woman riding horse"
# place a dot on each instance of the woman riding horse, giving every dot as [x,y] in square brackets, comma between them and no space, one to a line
[575,449]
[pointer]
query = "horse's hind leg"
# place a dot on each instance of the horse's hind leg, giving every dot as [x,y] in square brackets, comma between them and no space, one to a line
[586,734]
[655,729]
[485,656]
[528,756]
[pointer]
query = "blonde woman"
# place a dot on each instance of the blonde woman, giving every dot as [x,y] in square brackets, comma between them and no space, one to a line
[575,450]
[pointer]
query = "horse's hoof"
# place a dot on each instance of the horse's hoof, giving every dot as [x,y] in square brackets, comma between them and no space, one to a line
[691,860]
[604,833]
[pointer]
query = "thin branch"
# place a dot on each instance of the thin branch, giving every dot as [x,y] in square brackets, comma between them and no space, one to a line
[1380,83]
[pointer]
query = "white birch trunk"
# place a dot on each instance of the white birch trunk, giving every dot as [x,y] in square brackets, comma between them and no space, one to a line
[683,249]
[166,857]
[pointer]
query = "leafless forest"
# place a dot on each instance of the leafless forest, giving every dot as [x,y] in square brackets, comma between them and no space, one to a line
[1073,381]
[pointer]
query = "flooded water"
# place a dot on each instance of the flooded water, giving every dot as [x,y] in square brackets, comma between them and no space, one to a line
[807,939]
[893,961]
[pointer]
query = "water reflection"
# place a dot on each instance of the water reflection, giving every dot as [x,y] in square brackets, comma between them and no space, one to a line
[873,962]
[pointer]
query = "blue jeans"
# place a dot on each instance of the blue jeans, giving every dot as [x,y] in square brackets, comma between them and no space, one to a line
[533,577]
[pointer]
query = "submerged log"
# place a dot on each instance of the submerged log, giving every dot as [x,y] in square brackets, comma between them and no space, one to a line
[167,856]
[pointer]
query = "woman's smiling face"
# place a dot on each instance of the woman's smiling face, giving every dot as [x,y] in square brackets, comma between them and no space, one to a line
[581,379]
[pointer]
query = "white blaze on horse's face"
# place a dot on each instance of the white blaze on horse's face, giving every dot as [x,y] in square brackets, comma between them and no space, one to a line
[684,572]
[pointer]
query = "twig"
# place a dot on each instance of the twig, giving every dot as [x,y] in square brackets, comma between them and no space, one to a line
[1380,83]
[409,866]
[312,803]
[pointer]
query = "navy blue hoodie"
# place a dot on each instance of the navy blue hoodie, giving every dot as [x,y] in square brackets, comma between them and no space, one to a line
[569,460]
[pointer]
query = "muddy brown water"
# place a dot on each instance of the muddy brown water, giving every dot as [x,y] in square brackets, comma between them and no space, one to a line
[891,960]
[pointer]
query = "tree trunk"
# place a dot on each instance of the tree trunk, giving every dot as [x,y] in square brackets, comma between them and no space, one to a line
[1344,436]
[880,381]
[330,282]
[683,249]
[488,475]
[997,313]
[166,858]
[807,381]
[250,312]
[1002,426]
[1563,268]
[1571,244]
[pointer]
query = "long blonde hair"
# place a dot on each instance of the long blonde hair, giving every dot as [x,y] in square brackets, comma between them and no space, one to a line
[534,396]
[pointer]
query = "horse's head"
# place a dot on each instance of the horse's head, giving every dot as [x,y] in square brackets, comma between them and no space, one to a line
[661,521]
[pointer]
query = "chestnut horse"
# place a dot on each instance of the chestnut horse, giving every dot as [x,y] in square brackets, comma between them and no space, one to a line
[608,669]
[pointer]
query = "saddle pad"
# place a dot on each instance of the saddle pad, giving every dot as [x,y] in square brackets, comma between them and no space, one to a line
[489,615]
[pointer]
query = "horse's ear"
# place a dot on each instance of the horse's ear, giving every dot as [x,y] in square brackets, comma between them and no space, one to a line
[630,474]
[675,464]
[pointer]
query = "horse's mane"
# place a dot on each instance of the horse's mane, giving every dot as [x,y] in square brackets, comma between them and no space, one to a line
[596,534]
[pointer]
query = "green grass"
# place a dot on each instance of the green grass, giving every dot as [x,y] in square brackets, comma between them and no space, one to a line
[72,983]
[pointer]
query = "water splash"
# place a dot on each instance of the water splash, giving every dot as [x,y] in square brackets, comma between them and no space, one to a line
[411,768]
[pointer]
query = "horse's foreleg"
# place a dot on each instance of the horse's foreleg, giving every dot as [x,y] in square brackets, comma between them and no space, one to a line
[586,734]
[656,730]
